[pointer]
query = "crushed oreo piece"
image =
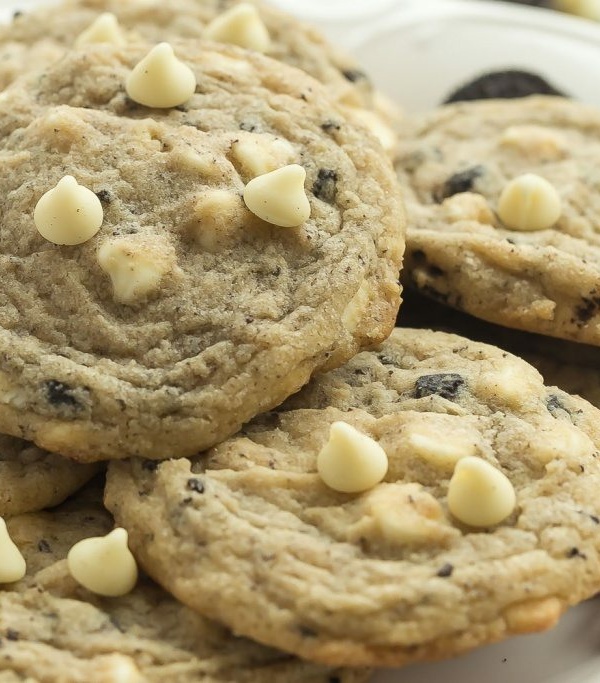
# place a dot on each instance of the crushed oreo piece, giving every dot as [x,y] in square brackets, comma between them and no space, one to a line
[60,394]
[505,84]
[462,181]
[445,571]
[554,405]
[196,485]
[446,385]
[325,186]
[11,634]
[150,465]
[104,196]
[589,307]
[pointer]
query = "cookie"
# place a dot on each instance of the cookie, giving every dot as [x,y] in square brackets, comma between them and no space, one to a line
[467,168]
[32,479]
[53,629]
[44,34]
[392,575]
[507,84]
[186,314]
[575,368]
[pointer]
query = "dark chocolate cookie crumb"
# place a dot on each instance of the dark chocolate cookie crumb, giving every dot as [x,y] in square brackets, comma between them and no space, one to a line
[325,186]
[462,181]
[508,84]
[196,485]
[444,385]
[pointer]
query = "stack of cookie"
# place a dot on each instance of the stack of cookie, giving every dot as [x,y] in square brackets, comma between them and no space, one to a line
[200,244]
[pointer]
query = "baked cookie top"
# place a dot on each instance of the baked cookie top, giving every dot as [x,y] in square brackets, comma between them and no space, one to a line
[42,35]
[573,367]
[186,314]
[456,165]
[53,629]
[401,572]
[32,479]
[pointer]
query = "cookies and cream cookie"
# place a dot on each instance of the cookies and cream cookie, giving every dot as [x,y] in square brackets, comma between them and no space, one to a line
[43,35]
[53,629]
[503,213]
[171,272]
[32,479]
[484,523]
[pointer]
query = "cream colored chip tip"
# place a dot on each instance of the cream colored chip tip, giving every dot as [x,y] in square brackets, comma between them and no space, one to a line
[105,29]
[529,202]
[479,494]
[104,564]
[241,25]
[69,214]
[279,197]
[161,80]
[350,461]
[12,563]
[136,268]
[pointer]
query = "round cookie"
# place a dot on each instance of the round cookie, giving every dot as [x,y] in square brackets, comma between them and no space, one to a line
[455,165]
[232,314]
[52,629]
[44,34]
[390,575]
[32,479]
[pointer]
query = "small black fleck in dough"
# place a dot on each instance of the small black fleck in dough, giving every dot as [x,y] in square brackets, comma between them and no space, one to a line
[104,196]
[150,465]
[462,181]
[11,634]
[588,308]
[44,546]
[330,126]
[508,84]
[196,485]
[60,394]
[445,571]
[354,75]
[446,385]
[325,186]
[554,405]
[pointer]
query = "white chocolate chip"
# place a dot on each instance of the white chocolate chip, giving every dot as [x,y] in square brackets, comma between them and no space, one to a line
[351,461]
[357,308]
[535,141]
[260,154]
[441,451]
[69,214]
[279,197]
[479,494]
[402,514]
[161,80]
[510,383]
[12,563]
[468,206]
[135,266]
[104,564]
[116,669]
[373,122]
[105,29]
[241,25]
[218,220]
[560,440]
[529,202]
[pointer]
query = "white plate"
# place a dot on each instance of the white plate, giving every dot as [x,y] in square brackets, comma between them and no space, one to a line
[418,51]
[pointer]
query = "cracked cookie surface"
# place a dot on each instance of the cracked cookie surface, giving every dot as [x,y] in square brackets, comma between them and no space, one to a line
[52,629]
[454,165]
[232,314]
[389,576]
